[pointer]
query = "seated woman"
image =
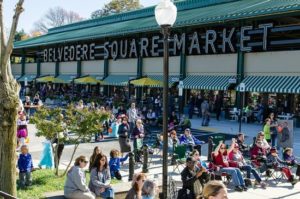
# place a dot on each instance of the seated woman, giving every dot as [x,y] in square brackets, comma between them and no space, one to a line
[277,163]
[173,118]
[100,178]
[236,159]
[220,159]
[289,157]
[191,141]
[75,185]
[151,117]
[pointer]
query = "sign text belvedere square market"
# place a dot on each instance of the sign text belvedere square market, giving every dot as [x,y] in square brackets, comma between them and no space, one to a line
[228,40]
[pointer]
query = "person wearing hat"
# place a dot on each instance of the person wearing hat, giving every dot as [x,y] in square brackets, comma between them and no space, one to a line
[236,159]
[191,141]
[190,177]
[277,163]
[75,185]
[221,162]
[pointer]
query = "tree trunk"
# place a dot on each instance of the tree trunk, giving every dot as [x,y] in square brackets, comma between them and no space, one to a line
[9,103]
[72,156]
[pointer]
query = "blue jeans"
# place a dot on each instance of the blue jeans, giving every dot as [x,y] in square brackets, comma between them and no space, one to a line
[108,193]
[235,174]
[250,170]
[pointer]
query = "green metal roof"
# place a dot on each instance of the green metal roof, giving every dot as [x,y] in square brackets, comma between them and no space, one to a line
[190,13]
[207,82]
[272,84]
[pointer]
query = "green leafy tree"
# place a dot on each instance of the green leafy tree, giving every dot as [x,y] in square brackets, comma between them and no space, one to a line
[50,123]
[82,123]
[117,6]
[21,35]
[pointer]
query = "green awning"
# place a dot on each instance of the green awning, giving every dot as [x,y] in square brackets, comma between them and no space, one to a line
[172,79]
[208,82]
[271,84]
[118,80]
[30,78]
[64,79]
[89,79]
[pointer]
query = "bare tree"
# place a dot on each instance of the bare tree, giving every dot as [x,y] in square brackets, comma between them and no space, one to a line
[56,17]
[9,102]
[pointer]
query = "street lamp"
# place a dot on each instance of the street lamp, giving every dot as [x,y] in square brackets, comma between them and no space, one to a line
[242,98]
[165,15]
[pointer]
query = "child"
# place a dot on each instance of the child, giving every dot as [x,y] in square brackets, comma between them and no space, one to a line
[289,157]
[114,163]
[22,131]
[25,167]
[276,162]
[47,156]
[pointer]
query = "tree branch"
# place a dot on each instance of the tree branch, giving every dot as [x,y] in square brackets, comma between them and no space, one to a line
[9,46]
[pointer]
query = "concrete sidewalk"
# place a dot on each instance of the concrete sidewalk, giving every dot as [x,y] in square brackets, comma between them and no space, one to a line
[282,190]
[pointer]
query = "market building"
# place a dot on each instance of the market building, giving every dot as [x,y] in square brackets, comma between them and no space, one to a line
[215,45]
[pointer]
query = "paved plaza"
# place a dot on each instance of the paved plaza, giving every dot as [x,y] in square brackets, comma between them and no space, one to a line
[281,190]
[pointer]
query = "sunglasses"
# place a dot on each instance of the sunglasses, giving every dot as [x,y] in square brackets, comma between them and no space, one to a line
[222,148]
[85,161]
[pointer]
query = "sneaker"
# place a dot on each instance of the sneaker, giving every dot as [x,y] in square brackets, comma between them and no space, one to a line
[244,188]
[238,188]
[294,181]
[263,185]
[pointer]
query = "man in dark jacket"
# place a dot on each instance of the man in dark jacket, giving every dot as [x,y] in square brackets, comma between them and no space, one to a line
[190,177]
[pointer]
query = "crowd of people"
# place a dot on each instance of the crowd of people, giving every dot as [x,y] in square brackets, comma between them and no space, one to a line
[238,161]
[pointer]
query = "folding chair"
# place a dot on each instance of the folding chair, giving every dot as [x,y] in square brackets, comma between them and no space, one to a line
[225,177]
[274,173]
[179,156]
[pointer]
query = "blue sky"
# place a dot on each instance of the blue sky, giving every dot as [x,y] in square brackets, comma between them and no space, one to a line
[35,9]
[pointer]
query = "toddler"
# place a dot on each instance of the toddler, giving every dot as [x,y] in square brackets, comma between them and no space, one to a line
[25,167]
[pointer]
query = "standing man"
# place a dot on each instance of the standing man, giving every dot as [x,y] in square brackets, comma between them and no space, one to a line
[218,106]
[132,116]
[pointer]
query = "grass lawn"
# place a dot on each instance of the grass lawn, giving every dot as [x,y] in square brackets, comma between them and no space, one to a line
[44,181]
